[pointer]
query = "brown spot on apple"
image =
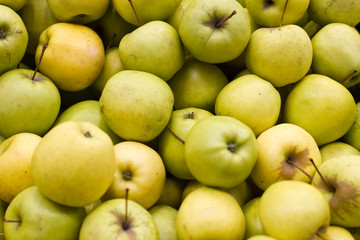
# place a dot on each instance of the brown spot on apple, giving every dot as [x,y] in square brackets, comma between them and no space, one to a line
[296,160]
[120,221]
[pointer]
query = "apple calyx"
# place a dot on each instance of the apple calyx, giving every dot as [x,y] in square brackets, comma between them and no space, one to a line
[232,147]
[216,22]
[2,33]
[87,134]
[349,75]
[133,8]
[127,175]
[189,115]
[44,47]
[176,136]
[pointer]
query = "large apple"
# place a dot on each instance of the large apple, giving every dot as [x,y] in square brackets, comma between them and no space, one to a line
[74,56]
[136,105]
[13,39]
[74,163]
[215,31]
[352,136]
[29,103]
[220,151]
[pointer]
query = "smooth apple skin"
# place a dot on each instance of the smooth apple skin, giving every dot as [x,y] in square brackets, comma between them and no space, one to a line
[252,218]
[352,136]
[172,192]
[15,5]
[165,219]
[335,149]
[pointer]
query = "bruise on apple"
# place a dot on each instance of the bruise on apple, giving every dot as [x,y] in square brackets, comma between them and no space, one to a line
[123,225]
[296,160]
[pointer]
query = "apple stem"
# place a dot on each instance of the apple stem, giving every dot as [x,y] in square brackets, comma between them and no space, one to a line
[321,176]
[320,236]
[219,24]
[11,220]
[133,8]
[44,47]
[283,13]
[111,42]
[349,75]
[302,170]
[177,137]
[126,208]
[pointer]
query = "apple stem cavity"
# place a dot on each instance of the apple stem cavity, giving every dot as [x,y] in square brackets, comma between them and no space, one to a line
[133,8]
[231,147]
[44,47]
[127,175]
[176,136]
[125,225]
[283,13]
[222,22]
[331,188]
[349,75]
[87,134]
[302,170]
[111,42]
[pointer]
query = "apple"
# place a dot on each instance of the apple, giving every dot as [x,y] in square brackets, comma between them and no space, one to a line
[311,28]
[273,13]
[172,138]
[33,216]
[280,55]
[74,163]
[294,210]
[164,54]
[139,169]
[13,39]
[15,161]
[252,100]
[74,57]
[208,213]
[197,84]
[338,180]
[136,105]
[322,106]
[141,12]
[215,31]
[87,110]
[30,102]
[78,11]
[352,136]
[337,53]
[172,192]
[335,149]
[165,219]
[335,233]
[119,218]
[220,151]
[284,153]
[252,218]
[261,237]
[15,5]
[328,11]
[3,207]
[175,17]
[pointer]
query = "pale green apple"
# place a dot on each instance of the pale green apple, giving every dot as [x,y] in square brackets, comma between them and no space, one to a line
[16,5]
[136,105]
[119,218]
[329,11]
[13,39]
[74,56]
[335,149]
[154,47]
[252,100]
[78,11]
[33,216]
[27,104]
[322,106]
[197,84]
[208,213]
[337,52]
[220,151]
[165,219]
[172,192]
[15,160]
[141,12]
[172,138]
[74,163]
[273,13]
[352,136]
[336,233]
[284,153]
[261,237]
[252,218]
[37,17]
[341,188]
[3,207]
[293,210]
[215,31]
[175,17]
[281,55]
[88,110]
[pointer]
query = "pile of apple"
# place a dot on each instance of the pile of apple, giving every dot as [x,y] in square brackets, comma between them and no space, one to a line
[179,119]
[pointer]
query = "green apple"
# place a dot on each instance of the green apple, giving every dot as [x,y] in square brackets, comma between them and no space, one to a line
[252,218]
[352,136]
[74,163]
[335,233]
[281,55]
[293,210]
[273,13]
[172,192]
[15,5]
[261,237]
[139,169]
[78,11]
[172,138]
[197,84]
[322,106]
[175,17]
[208,213]
[165,219]
[252,100]
[284,153]
[136,105]
[74,56]
[154,47]
[220,151]
[335,149]
[141,12]
[215,31]
[88,110]
[33,216]
[339,183]
[3,207]
[337,52]
[328,11]
[36,16]
[119,219]
[15,161]
[28,103]
[13,39]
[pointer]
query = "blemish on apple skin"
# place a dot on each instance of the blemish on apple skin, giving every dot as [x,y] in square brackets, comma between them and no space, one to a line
[120,222]
[298,157]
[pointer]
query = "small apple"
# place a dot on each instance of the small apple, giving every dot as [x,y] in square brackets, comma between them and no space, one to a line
[172,192]
[335,149]
[252,218]
[165,219]
[15,5]
[352,136]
